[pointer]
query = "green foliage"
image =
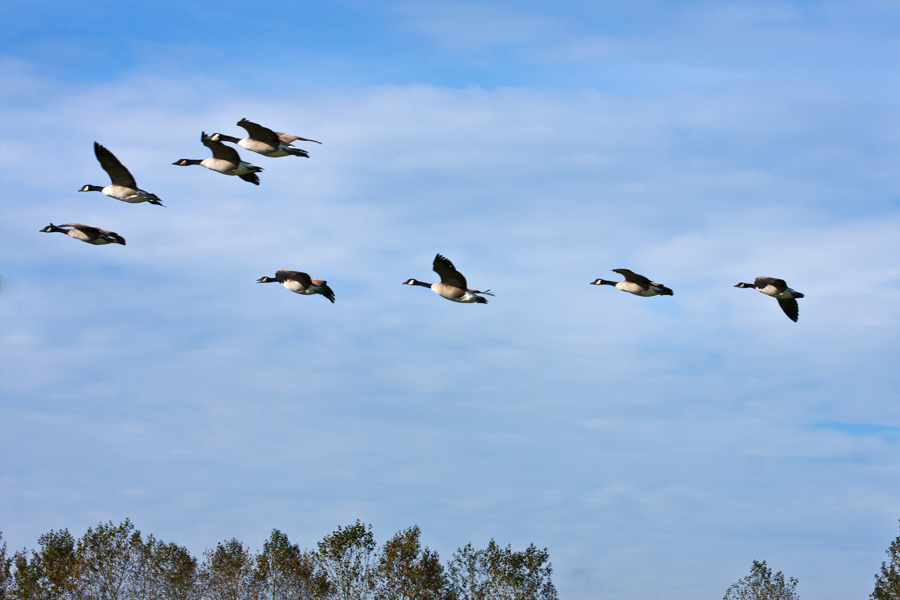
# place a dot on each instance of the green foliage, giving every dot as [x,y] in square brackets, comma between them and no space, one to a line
[762,585]
[406,571]
[347,557]
[113,562]
[227,572]
[284,572]
[497,573]
[887,583]
[50,574]
[6,580]
[110,563]
[172,572]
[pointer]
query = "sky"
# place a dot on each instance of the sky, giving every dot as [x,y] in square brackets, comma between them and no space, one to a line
[654,446]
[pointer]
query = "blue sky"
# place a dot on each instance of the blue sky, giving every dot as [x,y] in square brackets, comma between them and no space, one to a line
[655,446]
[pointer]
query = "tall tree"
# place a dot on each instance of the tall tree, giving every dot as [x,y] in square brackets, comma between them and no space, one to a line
[51,573]
[406,571]
[6,579]
[347,557]
[111,563]
[760,584]
[227,572]
[887,583]
[172,572]
[497,573]
[284,572]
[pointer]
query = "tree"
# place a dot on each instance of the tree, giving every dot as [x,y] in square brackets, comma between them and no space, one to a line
[406,571]
[227,572]
[50,574]
[887,583]
[284,572]
[111,563]
[6,580]
[762,585]
[497,573]
[346,556]
[172,572]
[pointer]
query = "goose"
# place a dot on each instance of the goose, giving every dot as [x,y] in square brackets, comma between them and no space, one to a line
[263,140]
[224,159]
[300,283]
[778,289]
[636,284]
[123,186]
[86,233]
[452,285]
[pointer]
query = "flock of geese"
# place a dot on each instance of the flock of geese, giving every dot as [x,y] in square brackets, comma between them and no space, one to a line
[274,144]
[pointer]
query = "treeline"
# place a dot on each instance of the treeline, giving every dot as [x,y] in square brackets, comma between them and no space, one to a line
[114,562]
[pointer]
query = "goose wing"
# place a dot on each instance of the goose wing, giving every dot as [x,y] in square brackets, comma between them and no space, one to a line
[634,277]
[287,138]
[258,132]
[448,273]
[85,228]
[220,150]
[117,172]
[790,308]
[96,232]
[778,284]
[297,276]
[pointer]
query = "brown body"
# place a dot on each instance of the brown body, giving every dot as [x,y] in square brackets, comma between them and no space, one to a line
[636,284]
[224,160]
[778,289]
[265,141]
[123,186]
[300,283]
[86,233]
[452,285]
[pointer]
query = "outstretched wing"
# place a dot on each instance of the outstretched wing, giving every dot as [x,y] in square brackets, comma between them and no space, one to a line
[790,308]
[448,273]
[258,132]
[117,172]
[633,277]
[287,138]
[220,150]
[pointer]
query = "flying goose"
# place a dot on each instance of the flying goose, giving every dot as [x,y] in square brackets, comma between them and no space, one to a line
[300,283]
[636,284]
[452,285]
[263,140]
[224,159]
[123,186]
[778,289]
[86,233]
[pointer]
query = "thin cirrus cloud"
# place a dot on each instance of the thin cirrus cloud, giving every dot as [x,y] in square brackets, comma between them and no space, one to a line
[160,382]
